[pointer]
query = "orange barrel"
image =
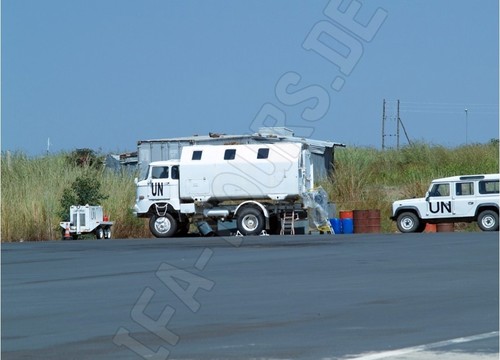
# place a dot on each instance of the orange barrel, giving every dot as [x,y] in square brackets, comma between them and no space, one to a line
[366,221]
[347,221]
[430,228]
[345,214]
[445,227]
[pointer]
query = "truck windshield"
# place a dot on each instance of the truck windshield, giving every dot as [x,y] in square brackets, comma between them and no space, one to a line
[159,172]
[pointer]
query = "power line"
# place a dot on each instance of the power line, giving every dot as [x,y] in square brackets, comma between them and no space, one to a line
[447,104]
[431,111]
[444,110]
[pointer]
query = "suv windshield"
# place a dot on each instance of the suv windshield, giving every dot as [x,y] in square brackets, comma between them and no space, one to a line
[440,190]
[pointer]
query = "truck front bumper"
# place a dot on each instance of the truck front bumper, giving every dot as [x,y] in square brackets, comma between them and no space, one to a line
[139,211]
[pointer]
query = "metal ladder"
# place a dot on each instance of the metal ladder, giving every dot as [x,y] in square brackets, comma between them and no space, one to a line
[288,223]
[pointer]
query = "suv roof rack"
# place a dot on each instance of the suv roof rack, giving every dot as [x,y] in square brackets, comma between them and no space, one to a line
[472,177]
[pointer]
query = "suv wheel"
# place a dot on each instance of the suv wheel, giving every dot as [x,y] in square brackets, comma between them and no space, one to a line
[488,220]
[408,222]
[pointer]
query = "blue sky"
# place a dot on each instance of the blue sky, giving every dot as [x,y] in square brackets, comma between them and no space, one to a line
[104,74]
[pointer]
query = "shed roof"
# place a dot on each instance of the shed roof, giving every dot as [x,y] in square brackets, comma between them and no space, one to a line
[271,134]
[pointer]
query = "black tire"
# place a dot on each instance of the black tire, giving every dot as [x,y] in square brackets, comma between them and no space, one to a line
[183,228]
[250,221]
[107,232]
[99,233]
[408,222]
[163,226]
[488,220]
[421,227]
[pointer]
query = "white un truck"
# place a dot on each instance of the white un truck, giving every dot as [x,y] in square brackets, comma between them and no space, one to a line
[465,198]
[253,184]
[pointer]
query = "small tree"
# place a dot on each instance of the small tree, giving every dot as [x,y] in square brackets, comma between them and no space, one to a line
[85,158]
[84,190]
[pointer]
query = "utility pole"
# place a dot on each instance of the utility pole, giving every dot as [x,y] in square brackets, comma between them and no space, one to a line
[383,125]
[466,126]
[397,129]
[393,114]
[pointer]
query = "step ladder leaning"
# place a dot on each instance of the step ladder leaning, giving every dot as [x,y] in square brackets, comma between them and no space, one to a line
[288,222]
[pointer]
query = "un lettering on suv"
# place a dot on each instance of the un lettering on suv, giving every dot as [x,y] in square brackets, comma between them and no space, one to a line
[466,198]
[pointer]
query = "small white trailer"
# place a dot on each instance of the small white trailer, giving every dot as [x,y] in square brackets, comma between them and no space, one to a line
[256,185]
[86,219]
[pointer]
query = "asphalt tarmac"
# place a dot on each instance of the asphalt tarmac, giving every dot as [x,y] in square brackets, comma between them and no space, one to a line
[365,297]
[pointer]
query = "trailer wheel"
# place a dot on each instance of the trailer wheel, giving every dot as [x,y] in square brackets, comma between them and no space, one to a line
[162,226]
[250,221]
[107,233]
[99,233]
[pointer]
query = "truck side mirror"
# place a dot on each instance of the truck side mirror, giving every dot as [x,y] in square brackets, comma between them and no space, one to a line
[136,180]
[427,196]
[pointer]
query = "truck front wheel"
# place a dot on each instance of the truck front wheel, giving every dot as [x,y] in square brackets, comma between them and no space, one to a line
[488,220]
[250,221]
[163,226]
[408,222]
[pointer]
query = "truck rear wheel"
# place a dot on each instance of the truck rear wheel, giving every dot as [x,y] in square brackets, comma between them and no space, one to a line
[488,220]
[408,222]
[163,226]
[250,221]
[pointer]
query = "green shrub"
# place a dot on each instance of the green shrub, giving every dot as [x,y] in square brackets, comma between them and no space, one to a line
[86,158]
[84,190]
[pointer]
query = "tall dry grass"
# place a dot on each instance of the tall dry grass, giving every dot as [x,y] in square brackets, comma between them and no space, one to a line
[32,189]
[121,191]
[365,178]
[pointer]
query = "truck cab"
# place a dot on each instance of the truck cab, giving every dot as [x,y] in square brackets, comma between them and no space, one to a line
[157,198]
[159,184]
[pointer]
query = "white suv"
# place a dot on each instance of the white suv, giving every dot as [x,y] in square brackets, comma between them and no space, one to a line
[453,199]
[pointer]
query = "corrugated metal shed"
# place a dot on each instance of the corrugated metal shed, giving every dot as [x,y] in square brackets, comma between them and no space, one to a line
[166,149]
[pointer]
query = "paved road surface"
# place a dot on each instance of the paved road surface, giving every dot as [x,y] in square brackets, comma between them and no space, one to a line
[414,296]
